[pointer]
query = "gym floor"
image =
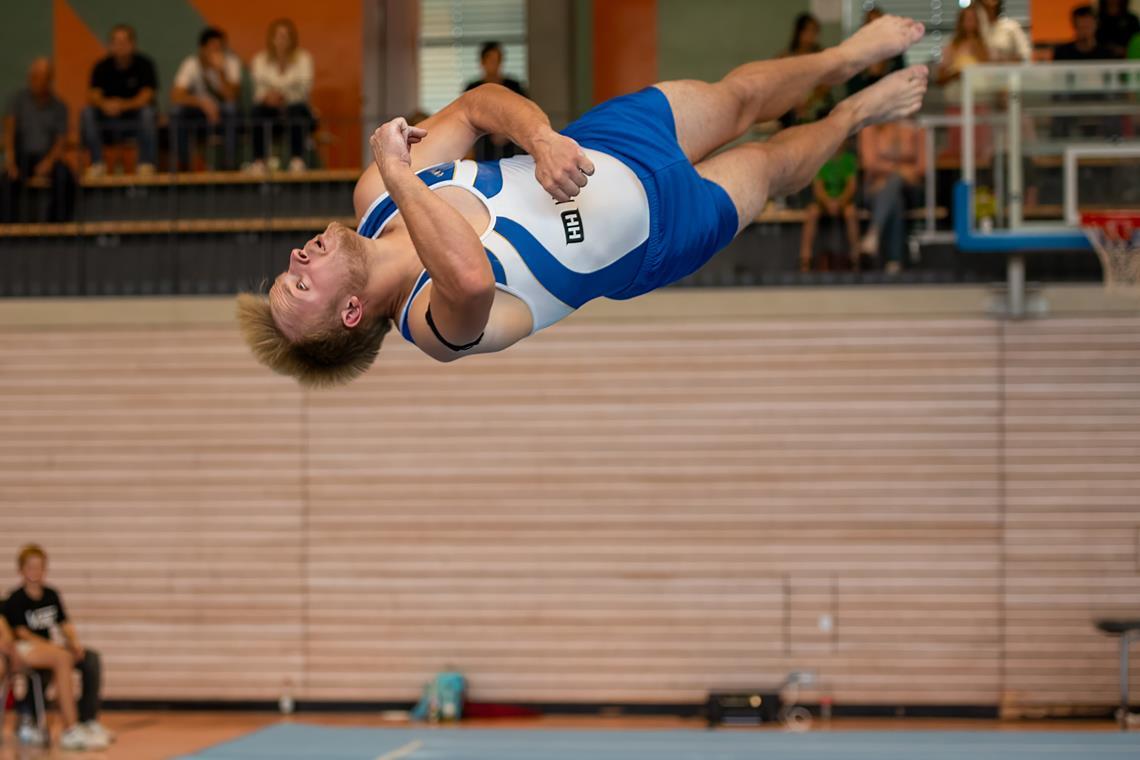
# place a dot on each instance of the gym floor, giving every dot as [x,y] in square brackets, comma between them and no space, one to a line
[250,736]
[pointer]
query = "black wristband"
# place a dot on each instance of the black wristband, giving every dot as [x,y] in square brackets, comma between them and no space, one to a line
[445,341]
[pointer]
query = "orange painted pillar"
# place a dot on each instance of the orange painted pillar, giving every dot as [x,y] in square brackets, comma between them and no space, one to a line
[1052,19]
[625,46]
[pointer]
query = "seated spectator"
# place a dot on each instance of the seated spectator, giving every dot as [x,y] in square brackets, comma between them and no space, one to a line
[834,196]
[868,77]
[205,93]
[494,147]
[1084,46]
[34,612]
[35,137]
[817,103]
[1005,40]
[893,158]
[282,81]
[122,95]
[1116,26]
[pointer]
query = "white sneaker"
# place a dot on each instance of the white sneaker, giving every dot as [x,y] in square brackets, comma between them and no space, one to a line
[96,170]
[96,729]
[296,164]
[30,735]
[78,738]
[257,168]
[870,244]
[145,170]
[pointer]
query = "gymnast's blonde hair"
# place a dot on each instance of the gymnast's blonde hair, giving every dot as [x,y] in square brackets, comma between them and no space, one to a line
[328,353]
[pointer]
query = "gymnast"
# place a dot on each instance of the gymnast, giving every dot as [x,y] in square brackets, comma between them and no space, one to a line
[470,258]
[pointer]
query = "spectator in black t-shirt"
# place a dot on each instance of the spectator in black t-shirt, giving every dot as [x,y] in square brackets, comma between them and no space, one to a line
[1084,46]
[494,147]
[35,612]
[123,90]
[1116,26]
[35,138]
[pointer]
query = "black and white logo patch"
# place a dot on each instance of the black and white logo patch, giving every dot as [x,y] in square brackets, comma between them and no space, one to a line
[572,224]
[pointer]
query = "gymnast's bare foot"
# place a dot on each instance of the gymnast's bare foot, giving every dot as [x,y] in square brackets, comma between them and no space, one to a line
[894,97]
[883,38]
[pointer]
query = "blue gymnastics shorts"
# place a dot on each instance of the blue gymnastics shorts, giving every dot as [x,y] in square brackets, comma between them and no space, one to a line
[690,217]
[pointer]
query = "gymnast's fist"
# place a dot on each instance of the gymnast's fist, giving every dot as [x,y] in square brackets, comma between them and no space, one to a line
[560,165]
[393,141]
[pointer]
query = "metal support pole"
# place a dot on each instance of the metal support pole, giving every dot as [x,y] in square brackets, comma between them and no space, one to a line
[1016,181]
[968,124]
[1015,270]
[999,179]
[931,171]
[1125,641]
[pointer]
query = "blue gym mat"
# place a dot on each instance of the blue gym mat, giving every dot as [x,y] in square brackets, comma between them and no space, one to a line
[297,742]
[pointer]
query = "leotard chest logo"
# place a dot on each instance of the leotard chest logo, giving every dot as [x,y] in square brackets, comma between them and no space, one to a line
[572,225]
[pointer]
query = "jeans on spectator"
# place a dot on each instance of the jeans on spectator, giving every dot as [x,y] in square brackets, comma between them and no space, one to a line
[269,120]
[62,204]
[90,701]
[187,119]
[99,130]
[888,215]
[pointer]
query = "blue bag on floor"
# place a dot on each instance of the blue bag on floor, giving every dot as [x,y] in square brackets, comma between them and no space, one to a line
[442,699]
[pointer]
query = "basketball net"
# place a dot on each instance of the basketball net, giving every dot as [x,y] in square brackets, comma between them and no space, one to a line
[1116,237]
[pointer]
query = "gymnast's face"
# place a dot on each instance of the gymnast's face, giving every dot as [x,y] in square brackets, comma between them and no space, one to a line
[320,273]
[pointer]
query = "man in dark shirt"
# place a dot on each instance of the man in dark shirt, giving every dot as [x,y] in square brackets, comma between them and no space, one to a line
[1085,46]
[123,88]
[34,611]
[1116,26]
[494,147]
[35,135]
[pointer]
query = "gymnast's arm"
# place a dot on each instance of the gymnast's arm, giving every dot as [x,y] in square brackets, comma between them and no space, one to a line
[561,167]
[463,286]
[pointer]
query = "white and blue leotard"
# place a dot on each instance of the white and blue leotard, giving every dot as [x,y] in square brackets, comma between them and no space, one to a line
[553,256]
[646,217]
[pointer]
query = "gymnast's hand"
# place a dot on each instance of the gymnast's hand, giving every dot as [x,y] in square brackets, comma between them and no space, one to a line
[560,166]
[393,141]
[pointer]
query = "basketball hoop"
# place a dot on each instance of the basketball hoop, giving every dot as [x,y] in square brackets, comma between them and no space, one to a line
[1116,237]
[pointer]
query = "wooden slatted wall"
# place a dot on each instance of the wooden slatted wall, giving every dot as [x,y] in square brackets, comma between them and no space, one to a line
[1072,470]
[923,511]
[165,481]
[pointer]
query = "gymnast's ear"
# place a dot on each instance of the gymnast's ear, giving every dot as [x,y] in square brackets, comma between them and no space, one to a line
[352,312]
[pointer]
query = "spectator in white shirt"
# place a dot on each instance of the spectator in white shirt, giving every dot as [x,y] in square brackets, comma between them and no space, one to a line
[1006,40]
[282,82]
[205,95]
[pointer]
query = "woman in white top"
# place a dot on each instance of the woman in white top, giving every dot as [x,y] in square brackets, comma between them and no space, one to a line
[282,81]
[1006,40]
[968,47]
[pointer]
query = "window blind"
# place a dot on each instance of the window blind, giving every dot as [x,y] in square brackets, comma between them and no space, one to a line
[451,34]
